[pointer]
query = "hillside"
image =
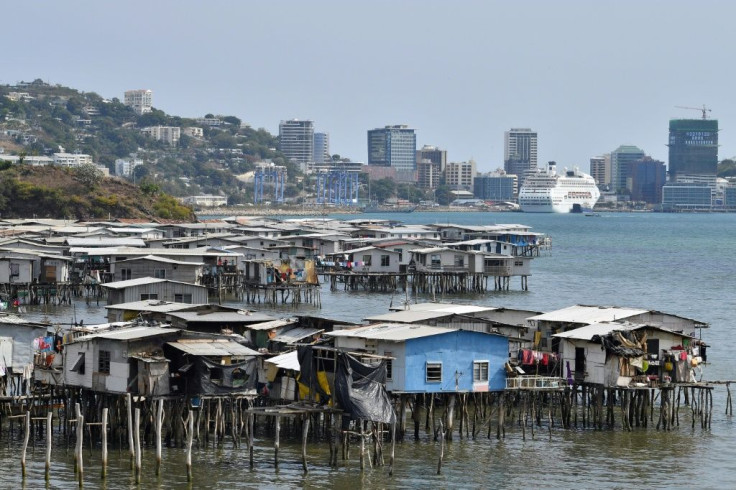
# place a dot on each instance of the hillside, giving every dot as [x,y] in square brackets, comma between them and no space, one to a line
[56,192]
[40,119]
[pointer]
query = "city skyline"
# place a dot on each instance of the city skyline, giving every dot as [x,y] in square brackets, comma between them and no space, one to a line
[559,68]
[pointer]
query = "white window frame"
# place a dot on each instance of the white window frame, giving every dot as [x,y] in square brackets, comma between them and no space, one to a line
[479,378]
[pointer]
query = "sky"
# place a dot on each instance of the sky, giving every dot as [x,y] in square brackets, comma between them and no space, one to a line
[588,76]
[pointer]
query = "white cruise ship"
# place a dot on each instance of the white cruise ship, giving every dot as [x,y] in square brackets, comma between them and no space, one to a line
[548,192]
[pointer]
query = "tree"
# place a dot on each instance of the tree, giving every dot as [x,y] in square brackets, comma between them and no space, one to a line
[88,174]
[382,189]
[442,194]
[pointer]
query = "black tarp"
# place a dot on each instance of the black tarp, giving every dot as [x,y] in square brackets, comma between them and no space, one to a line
[360,390]
[209,378]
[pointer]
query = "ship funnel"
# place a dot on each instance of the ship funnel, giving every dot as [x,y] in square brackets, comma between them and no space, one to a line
[552,168]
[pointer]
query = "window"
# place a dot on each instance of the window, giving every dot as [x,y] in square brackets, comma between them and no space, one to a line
[103,362]
[126,274]
[480,371]
[145,296]
[159,273]
[367,259]
[14,270]
[385,260]
[183,298]
[216,375]
[459,261]
[436,262]
[518,263]
[389,366]
[79,364]
[434,372]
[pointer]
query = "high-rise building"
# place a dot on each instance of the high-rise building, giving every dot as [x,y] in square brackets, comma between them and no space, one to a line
[520,152]
[600,170]
[648,176]
[621,160]
[496,186]
[321,148]
[140,100]
[693,148]
[393,146]
[296,141]
[460,175]
[431,163]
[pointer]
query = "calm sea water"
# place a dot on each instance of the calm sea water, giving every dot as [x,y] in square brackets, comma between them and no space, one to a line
[678,263]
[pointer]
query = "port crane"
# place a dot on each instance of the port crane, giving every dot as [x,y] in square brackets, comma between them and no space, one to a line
[704,110]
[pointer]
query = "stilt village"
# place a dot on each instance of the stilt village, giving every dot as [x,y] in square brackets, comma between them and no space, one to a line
[175,367]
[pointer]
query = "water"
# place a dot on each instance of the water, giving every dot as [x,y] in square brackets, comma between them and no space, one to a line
[679,263]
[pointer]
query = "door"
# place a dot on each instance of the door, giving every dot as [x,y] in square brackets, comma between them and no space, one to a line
[579,364]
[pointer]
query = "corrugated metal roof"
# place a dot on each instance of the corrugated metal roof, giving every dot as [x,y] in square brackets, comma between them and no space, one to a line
[273,324]
[296,334]
[589,331]
[105,241]
[428,312]
[131,333]
[164,260]
[391,331]
[144,280]
[213,347]
[221,316]
[11,319]
[589,314]
[152,305]
[289,361]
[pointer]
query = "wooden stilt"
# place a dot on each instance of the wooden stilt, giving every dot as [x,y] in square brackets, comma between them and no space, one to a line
[158,424]
[26,435]
[48,445]
[277,432]
[104,441]
[305,433]
[131,444]
[137,436]
[190,439]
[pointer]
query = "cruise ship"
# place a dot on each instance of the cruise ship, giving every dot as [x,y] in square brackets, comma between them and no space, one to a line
[547,192]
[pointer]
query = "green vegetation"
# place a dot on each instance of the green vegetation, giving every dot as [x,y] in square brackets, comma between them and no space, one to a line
[56,117]
[727,168]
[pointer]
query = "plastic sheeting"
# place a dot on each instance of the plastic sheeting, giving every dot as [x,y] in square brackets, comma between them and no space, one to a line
[209,378]
[308,375]
[360,390]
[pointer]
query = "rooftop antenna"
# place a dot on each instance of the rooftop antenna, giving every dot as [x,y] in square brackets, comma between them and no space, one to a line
[705,110]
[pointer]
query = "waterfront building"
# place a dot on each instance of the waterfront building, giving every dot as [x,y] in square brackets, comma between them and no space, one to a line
[296,141]
[321,148]
[425,359]
[621,160]
[729,196]
[205,200]
[168,134]
[393,146]
[686,196]
[460,175]
[600,170]
[693,148]
[495,186]
[520,153]
[124,167]
[140,100]
[648,176]
[434,155]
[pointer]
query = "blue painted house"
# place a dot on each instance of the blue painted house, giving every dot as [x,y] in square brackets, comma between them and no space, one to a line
[427,359]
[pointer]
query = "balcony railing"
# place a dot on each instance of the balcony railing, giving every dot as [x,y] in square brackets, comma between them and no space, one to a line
[534,383]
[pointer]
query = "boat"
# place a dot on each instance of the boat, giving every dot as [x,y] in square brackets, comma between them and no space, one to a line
[546,191]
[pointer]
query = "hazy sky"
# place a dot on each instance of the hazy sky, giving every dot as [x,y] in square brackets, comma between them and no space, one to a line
[588,76]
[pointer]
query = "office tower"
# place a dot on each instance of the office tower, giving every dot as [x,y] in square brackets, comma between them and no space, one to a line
[520,152]
[600,170]
[621,160]
[431,163]
[393,146]
[648,176]
[693,149]
[140,100]
[321,148]
[460,175]
[496,186]
[296,141]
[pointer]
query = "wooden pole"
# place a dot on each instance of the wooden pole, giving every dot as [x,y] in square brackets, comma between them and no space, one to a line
[104,442]
[137,436]
[48,445]
[251,425]
[442,449]
[131,444]
[305,433]
[190,438]
[393,448]
[276,441]
[159,422]
[80,445]
[25,443]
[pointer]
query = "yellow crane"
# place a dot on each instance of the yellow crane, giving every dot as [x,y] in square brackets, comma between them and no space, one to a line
[704,110]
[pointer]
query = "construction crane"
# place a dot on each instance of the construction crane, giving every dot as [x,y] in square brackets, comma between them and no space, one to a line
[703,109]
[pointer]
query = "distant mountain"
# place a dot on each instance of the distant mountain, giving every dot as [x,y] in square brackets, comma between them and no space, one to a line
[39,119]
